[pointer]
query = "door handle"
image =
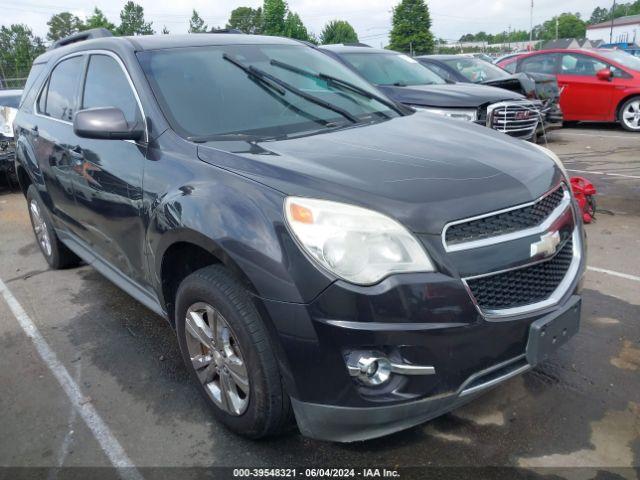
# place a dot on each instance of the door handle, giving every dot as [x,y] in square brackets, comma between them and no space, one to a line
[34,131]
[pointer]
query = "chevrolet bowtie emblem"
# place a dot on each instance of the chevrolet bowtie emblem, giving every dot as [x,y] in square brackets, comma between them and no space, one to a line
[546,246]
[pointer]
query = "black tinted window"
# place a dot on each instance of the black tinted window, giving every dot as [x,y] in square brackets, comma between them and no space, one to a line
[34,74]
[539,64]
[107,86]
[581,65]
[61,93]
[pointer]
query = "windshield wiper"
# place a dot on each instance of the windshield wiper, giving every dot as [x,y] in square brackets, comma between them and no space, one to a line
[338,81]
[254,73]
[267,77]
[220,137]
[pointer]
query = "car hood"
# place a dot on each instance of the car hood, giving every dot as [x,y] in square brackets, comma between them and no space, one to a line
[450,95]
[423,169]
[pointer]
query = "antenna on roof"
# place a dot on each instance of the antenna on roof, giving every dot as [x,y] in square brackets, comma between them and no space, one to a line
[82,36]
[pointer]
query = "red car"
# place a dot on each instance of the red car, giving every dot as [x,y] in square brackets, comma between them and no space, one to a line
[597,85]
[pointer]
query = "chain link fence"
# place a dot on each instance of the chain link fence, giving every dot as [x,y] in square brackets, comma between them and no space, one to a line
[7,83]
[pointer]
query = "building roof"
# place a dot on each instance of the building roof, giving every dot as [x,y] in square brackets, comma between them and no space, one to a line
[561,43]
[628,20]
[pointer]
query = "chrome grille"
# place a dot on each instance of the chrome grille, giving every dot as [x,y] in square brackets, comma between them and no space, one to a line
[506,222]
[523,286]
[518,119]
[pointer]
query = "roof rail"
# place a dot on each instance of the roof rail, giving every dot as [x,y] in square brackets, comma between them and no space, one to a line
[226,30]
[82,36]
[356,44]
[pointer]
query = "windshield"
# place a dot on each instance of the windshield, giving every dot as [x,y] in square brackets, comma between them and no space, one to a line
[223,90]
[476,70]
[623,58]
[392,69]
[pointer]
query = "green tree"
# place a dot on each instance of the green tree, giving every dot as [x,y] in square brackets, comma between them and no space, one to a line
[98,20]
[246,19]
[132,21]
[294,28]
[63,24]
[196,23]
[569,26]
[165,30]
[338,31]
[599,15]
[18,48]
[411,28]
[274,13]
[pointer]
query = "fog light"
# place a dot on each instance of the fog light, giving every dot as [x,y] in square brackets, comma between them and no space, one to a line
[372,368]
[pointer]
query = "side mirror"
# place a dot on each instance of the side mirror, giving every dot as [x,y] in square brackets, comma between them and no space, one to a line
[605,75]
[105,123]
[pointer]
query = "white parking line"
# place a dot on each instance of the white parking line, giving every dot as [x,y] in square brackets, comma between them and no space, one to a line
[101,432]
[594,172]
[628,137]
[615,274]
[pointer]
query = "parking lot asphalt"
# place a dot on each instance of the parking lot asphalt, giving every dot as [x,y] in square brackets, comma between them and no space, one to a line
[580,409]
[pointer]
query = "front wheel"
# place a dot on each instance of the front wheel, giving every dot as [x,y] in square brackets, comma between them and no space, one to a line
[227,349]
[629,115]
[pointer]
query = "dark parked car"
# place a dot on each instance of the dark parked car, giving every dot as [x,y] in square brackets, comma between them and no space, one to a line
[405,80]
[9,102]
[323,253]
[536,86]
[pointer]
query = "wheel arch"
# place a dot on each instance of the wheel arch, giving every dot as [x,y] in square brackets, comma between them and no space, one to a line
[624,100]
[183,252]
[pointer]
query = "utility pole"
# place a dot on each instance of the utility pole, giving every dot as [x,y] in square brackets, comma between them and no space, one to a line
[509,38]
[613,11]
[531,28]
[557,25]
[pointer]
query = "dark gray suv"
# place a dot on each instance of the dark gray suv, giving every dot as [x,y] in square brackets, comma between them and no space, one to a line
[324,254]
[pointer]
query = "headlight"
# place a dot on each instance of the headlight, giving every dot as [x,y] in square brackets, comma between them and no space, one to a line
[459,113]
[555,158]
[358,245]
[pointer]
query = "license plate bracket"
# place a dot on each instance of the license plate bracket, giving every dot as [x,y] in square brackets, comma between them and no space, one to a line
[550,332]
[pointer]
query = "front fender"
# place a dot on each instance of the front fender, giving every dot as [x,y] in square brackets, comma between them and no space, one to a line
[237,220]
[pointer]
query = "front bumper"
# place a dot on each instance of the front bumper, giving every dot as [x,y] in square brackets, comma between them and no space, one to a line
[349,424]
[416,319]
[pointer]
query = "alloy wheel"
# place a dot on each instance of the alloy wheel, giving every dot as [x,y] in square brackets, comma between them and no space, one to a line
[40,228]
[217,359]
[631,115]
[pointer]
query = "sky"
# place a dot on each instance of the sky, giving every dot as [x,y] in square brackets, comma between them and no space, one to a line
[370,18]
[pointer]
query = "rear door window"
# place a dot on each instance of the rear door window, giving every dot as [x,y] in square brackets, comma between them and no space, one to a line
[62,88]
[106,85]
[545,63]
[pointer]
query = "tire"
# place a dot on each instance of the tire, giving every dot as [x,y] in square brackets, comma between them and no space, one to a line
[258,407]
[56,254]
[629,114]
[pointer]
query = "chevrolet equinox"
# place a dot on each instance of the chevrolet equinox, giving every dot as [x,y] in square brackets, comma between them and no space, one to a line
[325,255]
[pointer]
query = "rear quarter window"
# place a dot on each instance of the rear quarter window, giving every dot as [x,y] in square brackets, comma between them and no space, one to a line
[34,75]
